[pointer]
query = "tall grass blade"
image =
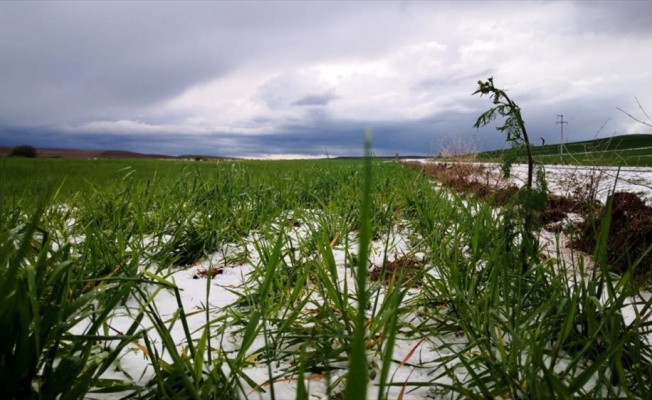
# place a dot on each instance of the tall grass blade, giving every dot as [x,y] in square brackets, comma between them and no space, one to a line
[356,385]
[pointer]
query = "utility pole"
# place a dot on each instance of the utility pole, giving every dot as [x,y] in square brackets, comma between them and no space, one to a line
[561,122]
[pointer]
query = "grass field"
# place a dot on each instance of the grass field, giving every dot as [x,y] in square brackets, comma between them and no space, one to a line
[340,279]
[626,150]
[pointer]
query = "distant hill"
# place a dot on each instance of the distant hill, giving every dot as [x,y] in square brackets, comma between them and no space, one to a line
[129,154]
[84,154]
[199,157]
[381,157]
[632,150]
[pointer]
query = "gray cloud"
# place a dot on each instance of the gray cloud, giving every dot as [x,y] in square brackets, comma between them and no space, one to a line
[633,16]
[315,100]
[324,135]
[68,61]
[252,78]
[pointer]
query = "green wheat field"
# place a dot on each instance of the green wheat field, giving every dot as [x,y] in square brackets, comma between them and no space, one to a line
[279,279]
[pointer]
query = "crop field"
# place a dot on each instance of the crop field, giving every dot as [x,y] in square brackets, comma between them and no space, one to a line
[633,150]
[298,280]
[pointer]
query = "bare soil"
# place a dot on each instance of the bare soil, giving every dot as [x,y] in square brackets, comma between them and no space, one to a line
[630,233]
[204,273]
[476,180]
[630,230]
[406,267]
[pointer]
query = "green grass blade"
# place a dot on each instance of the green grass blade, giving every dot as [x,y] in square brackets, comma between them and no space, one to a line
[357,380]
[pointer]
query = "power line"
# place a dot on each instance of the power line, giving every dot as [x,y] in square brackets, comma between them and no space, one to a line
[561,122]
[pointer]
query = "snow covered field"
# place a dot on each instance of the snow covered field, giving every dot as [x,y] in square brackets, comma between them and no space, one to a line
[564,180]
[420,362]
[567,180]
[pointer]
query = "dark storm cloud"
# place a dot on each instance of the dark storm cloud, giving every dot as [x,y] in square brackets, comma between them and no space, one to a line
[632,16]
[66,62]
[326,136]
[256,78]
[70,61]
[346,137]
[315,100]
[323,135]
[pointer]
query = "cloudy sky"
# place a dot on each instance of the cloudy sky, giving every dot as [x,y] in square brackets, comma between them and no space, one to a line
[267,79]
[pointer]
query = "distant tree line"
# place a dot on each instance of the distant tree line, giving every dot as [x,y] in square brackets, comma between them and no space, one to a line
[23,151]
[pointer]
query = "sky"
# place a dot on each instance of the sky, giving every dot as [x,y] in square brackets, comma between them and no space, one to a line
[275,79]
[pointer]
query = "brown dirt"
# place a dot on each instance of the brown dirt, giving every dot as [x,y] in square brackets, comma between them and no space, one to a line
[564,204]
[203,273]
[468,179]
[407,266]
[475,180]
[630,233]
[502,196]
[558,207]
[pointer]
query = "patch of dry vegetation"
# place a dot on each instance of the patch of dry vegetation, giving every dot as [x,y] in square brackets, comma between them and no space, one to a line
[468,178]
[406,269]
[630,219]
[630,233]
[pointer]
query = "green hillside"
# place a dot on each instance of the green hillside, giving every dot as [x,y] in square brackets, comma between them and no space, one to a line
[630,150]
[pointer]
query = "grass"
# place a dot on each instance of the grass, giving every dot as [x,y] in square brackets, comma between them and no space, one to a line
[625,150]
[89,243]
